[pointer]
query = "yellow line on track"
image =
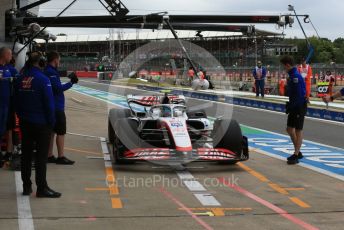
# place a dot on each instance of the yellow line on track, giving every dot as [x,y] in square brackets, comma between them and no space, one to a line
[276,187]
[299,202]
[256,174]
[116,203]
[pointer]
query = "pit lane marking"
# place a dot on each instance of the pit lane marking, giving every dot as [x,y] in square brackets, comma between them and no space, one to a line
[295,189]
[274,186]
[217,211]
[25,221]
[97,189]
[82,151]
[181,205]
[254,173]
[116,202]
[83,135]
[195,187]
[269,205]
[77,100]
[299,202]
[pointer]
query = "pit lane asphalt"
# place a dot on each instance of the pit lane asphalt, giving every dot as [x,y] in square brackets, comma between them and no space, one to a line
[87,202]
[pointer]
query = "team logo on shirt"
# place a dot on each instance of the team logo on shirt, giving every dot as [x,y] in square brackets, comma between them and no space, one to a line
[27,82]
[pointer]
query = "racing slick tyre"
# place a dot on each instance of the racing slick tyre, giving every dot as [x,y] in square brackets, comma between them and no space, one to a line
[114,115]
[111,133]
[126,137]
[227,134]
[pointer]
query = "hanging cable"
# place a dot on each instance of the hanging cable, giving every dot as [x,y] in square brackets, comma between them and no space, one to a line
[316,31]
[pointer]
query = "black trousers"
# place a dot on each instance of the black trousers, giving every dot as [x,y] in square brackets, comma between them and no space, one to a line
[35,137]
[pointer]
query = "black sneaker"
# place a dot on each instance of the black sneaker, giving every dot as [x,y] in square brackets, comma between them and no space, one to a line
[51,159]
[293,159]
[300,155]
[64,161]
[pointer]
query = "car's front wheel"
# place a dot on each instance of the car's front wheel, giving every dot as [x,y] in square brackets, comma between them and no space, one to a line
[227,134]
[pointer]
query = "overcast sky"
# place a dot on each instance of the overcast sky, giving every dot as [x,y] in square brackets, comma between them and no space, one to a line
[326,15]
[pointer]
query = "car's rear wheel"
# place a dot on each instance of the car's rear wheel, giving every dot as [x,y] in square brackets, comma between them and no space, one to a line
[227,134]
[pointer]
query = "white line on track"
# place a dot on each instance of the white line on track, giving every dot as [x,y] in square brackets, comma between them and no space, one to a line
[197,189]
[83,135]
[105,151]
[319,170]
[279,134]
[25,220]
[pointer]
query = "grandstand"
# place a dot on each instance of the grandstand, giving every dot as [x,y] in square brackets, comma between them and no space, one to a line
[229,48]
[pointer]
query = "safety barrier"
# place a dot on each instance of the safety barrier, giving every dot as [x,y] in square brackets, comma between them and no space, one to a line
[87,74]
[266,105]
[186,93]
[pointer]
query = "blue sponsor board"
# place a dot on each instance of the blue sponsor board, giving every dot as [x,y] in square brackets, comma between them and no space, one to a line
[311,112]
[273,106]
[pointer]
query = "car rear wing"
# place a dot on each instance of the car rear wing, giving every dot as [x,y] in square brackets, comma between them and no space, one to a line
[154,99]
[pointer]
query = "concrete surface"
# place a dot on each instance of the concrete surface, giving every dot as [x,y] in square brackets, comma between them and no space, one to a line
[260,185]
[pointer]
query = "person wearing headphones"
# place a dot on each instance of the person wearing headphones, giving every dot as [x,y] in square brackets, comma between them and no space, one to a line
[34,102]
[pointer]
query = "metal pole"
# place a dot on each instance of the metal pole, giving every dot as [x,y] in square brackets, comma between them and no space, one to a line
[166,20]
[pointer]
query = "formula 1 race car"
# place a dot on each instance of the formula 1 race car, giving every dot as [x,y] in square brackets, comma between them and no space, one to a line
[160,128]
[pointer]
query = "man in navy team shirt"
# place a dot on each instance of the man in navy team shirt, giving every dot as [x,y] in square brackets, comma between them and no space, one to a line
[296,108]
[5,76]
[11,120]
[34,105]
[60,128]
